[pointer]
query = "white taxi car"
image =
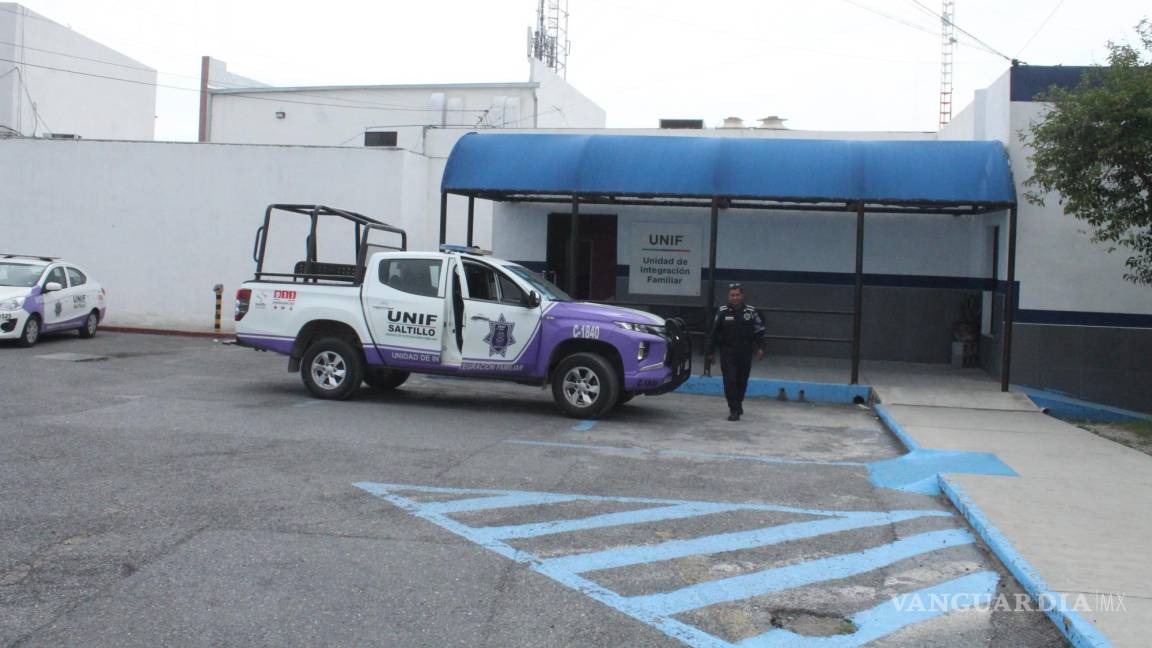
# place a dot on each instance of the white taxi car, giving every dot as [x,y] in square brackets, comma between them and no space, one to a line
[45,295]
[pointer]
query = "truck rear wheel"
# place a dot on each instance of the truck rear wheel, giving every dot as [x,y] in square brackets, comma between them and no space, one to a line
[585,385]
[332,368]
[385,378]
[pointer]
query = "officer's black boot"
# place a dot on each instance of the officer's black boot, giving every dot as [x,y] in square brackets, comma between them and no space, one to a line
[734,415]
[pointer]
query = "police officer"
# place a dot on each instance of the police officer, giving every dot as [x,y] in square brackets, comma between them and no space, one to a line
[737,332]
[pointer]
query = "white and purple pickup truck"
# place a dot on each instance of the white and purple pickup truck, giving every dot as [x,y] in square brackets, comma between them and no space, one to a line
[454,312]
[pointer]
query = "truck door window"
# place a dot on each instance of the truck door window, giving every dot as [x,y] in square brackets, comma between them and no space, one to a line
[510,293]
[415,276]
[481,282]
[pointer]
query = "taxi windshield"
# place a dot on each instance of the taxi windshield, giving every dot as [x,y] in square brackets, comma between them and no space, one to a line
[19,274]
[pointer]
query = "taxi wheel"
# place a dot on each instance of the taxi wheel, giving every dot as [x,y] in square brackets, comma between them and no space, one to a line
[90,324]
[385,379]
[585,385]
[332,369]
[31,332]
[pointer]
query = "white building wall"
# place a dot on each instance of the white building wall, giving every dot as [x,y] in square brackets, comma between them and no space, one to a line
[1058,266]
[67,102]
[339,117]
[560,105]
[776,240]
[158,224]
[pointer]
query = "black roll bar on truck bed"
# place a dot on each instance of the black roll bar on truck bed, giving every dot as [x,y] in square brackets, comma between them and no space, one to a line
[311,269]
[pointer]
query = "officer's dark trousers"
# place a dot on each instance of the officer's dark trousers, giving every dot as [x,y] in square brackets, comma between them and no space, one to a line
[735,365]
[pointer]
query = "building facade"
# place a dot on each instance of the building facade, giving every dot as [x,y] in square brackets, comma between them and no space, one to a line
[392,115]
[56,82]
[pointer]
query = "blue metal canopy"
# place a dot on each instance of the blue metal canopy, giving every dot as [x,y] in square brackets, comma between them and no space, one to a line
[960,173]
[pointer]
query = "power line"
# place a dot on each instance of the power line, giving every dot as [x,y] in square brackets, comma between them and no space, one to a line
[1041,27]
[897,19]
[960,29]
[365,106]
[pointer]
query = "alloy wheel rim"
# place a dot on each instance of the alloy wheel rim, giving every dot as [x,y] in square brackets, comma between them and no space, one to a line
[91,323]
[33,332]
[581,387]
[328,370]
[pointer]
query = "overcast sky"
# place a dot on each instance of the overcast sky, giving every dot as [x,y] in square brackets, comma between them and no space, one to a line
[822,64]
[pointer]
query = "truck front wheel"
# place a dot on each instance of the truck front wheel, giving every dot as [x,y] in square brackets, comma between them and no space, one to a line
[331,368]
[585,385]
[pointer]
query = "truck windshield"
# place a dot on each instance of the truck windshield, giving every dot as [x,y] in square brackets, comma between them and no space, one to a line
[546,288]
[19,274]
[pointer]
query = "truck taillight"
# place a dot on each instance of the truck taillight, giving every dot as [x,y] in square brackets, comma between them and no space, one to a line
[243,296]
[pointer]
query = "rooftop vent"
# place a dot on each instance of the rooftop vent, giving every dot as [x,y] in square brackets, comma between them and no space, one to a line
[733,122]
[772,122]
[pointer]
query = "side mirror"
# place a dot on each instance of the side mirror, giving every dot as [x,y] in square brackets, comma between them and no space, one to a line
[52,286]
[533,299]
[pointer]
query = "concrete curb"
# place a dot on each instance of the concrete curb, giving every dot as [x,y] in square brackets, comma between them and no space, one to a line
[1079,632]
[1075,628]
[793,390]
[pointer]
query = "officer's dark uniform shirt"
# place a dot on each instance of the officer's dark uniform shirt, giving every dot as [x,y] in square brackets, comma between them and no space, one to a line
[739,330]
[736,333]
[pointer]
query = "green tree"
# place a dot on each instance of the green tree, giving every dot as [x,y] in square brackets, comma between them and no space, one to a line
[1094,148]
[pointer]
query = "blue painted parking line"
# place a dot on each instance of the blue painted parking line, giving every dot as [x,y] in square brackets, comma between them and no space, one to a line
[714,544]
[779,579]
[584,426]
[657,610]
[914,607]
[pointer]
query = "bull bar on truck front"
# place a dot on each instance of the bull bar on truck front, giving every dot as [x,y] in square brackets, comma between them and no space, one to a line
[679,356]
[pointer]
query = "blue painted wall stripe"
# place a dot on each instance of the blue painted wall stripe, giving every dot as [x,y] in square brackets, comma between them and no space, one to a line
[814,571]
[888,617]
[713,544]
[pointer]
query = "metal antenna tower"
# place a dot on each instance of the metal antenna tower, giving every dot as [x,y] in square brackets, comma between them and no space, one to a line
[947,49]
[549,41]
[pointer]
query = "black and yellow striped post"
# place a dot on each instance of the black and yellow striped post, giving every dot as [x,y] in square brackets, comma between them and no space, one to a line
[219,290]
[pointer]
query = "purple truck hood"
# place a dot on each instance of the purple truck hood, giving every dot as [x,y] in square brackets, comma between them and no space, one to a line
[604,313]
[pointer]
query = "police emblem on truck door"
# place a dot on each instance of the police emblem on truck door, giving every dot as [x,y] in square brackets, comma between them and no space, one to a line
[499,336]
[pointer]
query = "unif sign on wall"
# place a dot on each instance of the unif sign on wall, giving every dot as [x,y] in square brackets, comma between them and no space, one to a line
[665,259]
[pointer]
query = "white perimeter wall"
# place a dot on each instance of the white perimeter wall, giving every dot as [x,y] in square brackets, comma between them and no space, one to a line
[158,224]
[91,107]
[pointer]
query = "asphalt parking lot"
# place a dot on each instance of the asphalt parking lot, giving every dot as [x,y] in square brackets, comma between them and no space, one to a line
[177,491]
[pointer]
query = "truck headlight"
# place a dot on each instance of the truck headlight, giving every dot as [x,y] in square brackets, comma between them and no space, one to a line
[15,303]
[651,329]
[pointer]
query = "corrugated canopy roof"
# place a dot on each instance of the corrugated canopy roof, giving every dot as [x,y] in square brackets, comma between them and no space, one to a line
[961,173]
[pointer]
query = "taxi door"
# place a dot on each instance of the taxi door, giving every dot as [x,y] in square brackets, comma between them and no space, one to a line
[58,303]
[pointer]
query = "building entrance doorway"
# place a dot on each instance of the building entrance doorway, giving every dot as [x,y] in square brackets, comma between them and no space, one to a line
[595,254]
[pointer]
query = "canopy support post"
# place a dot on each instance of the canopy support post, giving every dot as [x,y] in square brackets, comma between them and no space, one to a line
[573,246]
[859,296]
[713,226]
[1009,304]
[443,217]
[471,217]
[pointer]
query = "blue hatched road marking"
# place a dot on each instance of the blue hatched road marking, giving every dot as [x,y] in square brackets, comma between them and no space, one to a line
[657,610]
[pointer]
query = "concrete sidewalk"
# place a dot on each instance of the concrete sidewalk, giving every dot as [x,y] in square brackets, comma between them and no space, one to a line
[1077,518]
